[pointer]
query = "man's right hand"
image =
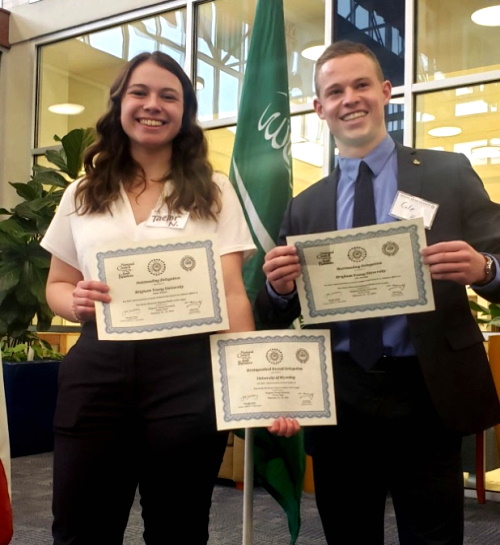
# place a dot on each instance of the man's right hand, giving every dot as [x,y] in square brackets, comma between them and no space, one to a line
[282,268]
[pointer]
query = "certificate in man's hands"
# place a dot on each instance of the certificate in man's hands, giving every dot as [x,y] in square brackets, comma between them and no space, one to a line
[262,375]
[363,272]
[160,288]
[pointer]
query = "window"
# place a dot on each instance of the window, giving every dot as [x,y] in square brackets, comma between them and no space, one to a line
[75,74]
[464,120]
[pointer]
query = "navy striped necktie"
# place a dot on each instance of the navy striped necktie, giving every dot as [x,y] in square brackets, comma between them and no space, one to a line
[365,334]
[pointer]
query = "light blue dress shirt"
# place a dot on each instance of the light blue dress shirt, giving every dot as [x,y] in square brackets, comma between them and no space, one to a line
[383,163]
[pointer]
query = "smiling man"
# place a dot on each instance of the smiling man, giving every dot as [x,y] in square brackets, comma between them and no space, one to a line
[408,386]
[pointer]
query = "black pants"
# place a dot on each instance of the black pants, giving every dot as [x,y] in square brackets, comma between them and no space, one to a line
[389,440]
[135,414]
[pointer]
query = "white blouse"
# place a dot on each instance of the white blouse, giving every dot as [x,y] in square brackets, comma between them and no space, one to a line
[72,237]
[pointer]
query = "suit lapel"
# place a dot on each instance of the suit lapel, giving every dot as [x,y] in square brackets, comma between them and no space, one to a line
[410,170]
[334,183]
[325,214]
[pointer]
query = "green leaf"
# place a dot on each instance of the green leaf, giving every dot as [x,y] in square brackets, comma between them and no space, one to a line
[10,274]
[16,231]
[494,310]
[16,353]
[495,321]
[478,308]
[74,144]
[58,158]
[44,318]
[35,280]
[27,191]
[35,207]
[49,176]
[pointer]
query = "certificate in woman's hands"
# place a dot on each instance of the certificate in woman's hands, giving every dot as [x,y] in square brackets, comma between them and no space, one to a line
[262,375]
[363,272]
[160,288]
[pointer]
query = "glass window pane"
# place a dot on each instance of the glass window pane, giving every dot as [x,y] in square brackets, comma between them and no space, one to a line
[471,116]
[79,71]
[224,29]
[449,43]
[307,149]
[394,117]
[380,26]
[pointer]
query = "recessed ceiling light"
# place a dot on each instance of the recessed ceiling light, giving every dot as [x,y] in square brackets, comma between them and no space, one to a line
[313,52]
[423,117]
[485,152]
[445,131]
[200,83]
[489,16]
[66,108]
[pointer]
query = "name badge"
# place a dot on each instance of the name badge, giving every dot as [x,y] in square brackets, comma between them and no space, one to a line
[163,218]
[409,207]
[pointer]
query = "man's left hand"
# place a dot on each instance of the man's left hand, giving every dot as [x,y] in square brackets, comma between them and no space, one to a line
[456,261]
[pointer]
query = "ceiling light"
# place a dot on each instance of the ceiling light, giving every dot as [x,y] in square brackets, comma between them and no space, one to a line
[200,83]
[313,51]
[489,16]
[471,108]
[66,108]
[445,131]
[423,117]
[485,152]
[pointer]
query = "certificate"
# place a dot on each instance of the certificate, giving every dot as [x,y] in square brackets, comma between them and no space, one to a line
[263,375]
[160,288]
[363,272]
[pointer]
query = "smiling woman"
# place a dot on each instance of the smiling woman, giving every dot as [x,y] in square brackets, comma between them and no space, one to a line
[130,410]
[151,110]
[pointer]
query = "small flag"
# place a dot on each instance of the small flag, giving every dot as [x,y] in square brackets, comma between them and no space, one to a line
[6,528]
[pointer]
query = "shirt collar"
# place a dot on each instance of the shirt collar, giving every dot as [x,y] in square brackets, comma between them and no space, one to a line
[376,159]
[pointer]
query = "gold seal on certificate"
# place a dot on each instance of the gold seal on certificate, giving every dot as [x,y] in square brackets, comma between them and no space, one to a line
[363,272]
[160,289]
[262,375]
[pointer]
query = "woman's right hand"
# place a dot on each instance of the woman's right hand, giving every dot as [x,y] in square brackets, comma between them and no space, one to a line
[85,294]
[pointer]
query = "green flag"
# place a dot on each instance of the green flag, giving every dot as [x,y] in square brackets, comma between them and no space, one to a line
[261,172]
[261,166]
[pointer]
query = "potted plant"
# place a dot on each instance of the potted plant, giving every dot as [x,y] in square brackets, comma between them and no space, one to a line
[29,363]
[489,316]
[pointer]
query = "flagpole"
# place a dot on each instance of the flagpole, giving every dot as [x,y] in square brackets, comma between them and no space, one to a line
[248,489]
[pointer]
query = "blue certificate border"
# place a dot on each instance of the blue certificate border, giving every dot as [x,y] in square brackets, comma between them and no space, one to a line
[412,230]
[229,416]
[207,244]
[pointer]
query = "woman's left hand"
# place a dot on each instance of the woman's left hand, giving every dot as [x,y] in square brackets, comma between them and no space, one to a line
[284,427]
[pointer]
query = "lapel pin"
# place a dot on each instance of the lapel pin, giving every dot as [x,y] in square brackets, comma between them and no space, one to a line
[416,162]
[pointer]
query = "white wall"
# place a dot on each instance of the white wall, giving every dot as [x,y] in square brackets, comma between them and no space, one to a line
[16,103]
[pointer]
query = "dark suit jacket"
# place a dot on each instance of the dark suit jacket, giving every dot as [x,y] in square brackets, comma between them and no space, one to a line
[448,343]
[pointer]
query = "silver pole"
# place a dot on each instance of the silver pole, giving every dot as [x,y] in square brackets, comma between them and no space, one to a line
[248,489]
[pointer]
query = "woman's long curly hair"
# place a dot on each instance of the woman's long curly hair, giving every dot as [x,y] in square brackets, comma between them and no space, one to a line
[108,161]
